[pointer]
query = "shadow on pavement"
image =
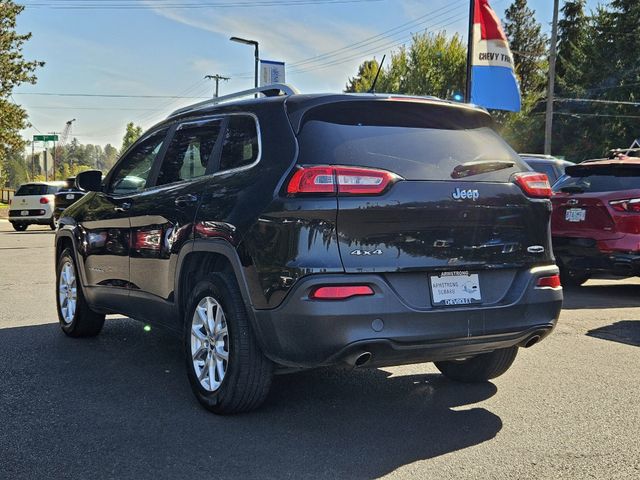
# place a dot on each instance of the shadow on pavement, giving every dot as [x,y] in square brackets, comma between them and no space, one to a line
[624,331]
[119,406]
[30,232]
[601,296]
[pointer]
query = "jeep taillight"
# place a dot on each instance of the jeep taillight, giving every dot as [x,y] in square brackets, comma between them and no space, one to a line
[44,200]
[630,205]
[340,181]
[533,184]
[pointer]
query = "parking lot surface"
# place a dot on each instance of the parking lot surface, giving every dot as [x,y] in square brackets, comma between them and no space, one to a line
[119,405]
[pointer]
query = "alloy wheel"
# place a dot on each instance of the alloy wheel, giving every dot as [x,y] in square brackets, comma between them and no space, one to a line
[209,343]
[67,292]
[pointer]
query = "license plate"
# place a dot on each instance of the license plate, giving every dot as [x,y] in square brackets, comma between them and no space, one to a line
[24,213]
[575,215]
[455,288]
[70,196]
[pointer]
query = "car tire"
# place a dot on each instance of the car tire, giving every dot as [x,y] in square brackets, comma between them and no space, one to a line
[75,317]
[573,278]
[19,227]
[480,368]
[227,370]
[54,223]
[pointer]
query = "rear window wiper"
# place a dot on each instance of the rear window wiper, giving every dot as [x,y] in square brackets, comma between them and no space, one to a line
[478,167]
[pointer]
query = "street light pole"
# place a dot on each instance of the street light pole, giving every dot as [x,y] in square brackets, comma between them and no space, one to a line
[256,55]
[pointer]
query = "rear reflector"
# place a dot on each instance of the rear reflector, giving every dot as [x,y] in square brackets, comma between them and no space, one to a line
[533,184]
[340,180]
[340,292]
[631,205]
[44,200]
[551,282]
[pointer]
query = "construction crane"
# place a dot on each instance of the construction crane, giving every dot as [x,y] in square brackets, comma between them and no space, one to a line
[62,141]
[66,133]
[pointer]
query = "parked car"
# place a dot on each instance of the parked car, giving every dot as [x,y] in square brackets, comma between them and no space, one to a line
[66,196]
[297,231]
[596,219]
[552,167]
[32,204]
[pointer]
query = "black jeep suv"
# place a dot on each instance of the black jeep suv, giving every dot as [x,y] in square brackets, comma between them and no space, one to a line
[294,231]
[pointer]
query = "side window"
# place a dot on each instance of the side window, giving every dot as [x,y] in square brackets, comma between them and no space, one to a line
[133,171]
[189,152]
[240,143]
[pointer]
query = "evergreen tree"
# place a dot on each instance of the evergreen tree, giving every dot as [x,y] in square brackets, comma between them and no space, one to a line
[572,36]
[528,45]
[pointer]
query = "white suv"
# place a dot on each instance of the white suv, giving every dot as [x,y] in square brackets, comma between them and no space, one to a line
[33,203]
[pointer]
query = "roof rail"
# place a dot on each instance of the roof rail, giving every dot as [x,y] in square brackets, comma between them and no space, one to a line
[273,90]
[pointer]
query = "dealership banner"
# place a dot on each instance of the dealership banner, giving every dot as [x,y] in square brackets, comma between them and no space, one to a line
[271,72]
[493,80]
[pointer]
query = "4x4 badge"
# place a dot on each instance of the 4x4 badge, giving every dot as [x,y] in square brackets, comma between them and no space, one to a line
[360,253]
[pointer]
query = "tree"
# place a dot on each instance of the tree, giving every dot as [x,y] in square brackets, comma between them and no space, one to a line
[14,71]
[110,157]
[132,133]
[604,67]
[524,129]
[572,35]
[528,45]
[364,79]
[432,65]
[14,170]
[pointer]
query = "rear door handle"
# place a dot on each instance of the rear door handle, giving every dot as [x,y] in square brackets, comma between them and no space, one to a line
[122,207]
[186,200]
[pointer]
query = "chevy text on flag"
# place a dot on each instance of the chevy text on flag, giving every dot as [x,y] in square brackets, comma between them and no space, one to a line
[493,80]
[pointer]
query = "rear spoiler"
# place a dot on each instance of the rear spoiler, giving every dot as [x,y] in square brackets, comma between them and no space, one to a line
[614,169]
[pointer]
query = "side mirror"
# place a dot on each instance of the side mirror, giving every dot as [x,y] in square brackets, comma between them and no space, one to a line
[89,181]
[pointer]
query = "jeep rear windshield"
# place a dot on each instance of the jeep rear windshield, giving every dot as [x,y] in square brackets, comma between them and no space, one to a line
[417,141]
[601,178]
[25,190]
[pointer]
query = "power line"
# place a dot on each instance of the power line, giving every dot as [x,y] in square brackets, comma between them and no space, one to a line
[333,57]
[593,100]
[123,5]
[578,115]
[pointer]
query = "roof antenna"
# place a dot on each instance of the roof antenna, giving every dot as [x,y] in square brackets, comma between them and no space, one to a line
[375,80]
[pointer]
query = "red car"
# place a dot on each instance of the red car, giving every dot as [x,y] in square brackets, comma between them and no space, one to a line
[595,222]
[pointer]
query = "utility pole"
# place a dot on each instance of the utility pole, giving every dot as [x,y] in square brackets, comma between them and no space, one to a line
[548,126]
[217,78]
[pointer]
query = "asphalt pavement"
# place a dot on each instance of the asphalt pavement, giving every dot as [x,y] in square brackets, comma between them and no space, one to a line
[119,405]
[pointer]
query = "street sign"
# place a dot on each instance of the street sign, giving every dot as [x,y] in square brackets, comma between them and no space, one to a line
[45,138]
[271,72]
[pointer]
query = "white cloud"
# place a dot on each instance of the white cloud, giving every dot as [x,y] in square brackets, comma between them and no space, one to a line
[281,37]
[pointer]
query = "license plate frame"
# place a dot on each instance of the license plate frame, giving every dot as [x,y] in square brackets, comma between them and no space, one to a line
[458,288]
[575,215]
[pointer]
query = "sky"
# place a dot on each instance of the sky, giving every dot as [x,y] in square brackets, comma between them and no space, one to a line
[155,49]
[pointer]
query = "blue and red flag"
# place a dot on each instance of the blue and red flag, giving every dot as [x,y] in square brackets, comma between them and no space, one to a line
[493,80]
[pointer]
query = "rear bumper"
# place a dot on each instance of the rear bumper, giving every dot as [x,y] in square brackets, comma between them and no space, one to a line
[307,333]
[15,217]
[585,254]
